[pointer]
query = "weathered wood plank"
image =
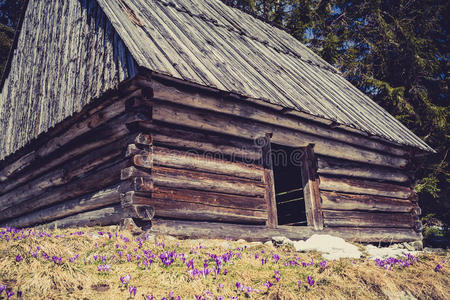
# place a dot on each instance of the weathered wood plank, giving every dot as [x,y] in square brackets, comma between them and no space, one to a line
[344,201]
[97,179]
[110,132]
[178,178]
[194,98]
[198,211]
[92,201]
[334,218]
[186,179]
[209,198]
[364,187]
[191,160]
[243,128]
[17,166]
[269,182]
[262,233]
[330,166]
[213,144]
[311,192]
[101,217]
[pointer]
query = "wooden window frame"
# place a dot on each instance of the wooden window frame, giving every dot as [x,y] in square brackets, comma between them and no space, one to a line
[310,182]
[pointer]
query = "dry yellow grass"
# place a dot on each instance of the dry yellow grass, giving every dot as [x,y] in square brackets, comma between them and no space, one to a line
[38,277]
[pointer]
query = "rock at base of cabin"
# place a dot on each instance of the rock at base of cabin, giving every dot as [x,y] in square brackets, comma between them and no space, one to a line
[331,247]
[374,252]
[278,241]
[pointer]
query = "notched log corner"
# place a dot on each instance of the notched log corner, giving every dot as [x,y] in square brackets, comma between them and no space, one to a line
[136,218]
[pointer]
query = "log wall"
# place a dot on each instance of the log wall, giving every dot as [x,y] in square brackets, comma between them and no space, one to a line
[187,156]
[75,168]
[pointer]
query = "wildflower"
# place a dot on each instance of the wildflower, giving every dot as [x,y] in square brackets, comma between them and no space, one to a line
[149,297]
[299,283]
[9,294]
[132,290]
[310,280]
[269,284]
[125,279]
[239,285]
[323,264]
[263,261]
[276,257]
[19,258]
[221,286]
[256,256]
[438,268]
[19,294]
[2,288]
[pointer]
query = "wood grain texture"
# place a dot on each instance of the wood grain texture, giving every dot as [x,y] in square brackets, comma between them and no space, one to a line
[243,128]
[262,233]
[345,201]
[78,205]
[67,54]
[334,218]
[364,187]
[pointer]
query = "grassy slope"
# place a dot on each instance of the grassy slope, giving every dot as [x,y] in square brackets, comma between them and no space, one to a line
[41,278]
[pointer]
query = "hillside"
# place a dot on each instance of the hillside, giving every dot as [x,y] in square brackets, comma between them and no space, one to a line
[89,263]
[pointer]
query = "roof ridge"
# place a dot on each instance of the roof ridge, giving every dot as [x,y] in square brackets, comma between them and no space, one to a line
[242,33]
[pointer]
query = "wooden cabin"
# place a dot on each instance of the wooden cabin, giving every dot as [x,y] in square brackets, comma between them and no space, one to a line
[197,119]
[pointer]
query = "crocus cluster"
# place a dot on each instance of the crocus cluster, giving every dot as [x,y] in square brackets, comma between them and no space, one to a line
[103,268]
[391,262]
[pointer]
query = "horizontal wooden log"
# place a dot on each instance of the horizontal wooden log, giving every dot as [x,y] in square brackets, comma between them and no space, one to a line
[365,187]
[197,211]
[84,203]
[210,198]
[215,230]
[185,179]
[344,201]
[176,178]
[173,137]
[191,161]
[244,109]
[243,128]
[101,217]
[110,132]
[17,165]
[97,179]
[335,218]
[66,173]
[337,167]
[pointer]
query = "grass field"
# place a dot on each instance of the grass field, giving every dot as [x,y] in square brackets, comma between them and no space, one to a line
[105,263]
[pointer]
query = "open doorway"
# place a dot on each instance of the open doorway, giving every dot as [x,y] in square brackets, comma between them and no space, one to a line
[289,193]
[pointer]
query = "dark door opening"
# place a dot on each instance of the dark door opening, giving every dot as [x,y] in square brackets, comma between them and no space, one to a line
[288,185]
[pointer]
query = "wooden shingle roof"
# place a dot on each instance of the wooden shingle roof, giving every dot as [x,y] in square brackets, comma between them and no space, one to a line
[209,43]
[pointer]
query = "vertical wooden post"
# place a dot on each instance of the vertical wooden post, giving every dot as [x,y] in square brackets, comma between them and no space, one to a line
[266,151]
[311,191]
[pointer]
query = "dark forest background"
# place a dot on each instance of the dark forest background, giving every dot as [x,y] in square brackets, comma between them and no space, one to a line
[397,52]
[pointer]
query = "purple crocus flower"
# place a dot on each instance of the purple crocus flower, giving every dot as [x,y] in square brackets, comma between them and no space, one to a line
[19,258]
[299,283]
[310,280]
[269,284]
[276,257]
[9,294]
[2,288]
[323,264]
[149,297]
[238,285]
[132,290]
[221,286]
[438,268]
